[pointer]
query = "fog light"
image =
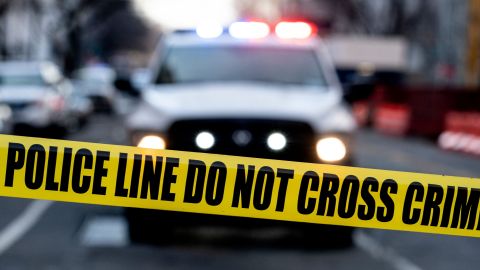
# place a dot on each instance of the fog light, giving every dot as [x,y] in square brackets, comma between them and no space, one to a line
[205,140]
[331,149]
[152,142]
[276,141]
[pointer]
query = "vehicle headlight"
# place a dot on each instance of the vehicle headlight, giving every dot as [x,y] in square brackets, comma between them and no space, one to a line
[276,141]
[205,140]
[331,149]
[152,142]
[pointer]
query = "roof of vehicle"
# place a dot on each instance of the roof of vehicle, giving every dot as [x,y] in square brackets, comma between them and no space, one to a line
[24,67]
[190,38]
[47,70]
[95,72]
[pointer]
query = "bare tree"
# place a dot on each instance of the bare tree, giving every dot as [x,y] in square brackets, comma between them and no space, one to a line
[100,28]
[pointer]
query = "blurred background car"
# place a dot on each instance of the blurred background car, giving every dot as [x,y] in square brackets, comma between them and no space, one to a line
[39,97]
[6,125]
[141,77]
[96,83]
[81,108]
[234,93]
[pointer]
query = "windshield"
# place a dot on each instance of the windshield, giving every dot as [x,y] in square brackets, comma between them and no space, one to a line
[21,80]
[98,75]
[212,64]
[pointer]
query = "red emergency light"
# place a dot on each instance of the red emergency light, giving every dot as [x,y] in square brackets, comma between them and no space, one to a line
[259,29]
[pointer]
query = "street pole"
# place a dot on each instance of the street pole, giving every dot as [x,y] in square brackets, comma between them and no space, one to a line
[473,49]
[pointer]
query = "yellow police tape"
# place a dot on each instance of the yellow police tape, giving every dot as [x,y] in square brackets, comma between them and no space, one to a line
[237,186]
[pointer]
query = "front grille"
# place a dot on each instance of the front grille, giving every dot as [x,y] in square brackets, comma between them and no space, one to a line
[300,138]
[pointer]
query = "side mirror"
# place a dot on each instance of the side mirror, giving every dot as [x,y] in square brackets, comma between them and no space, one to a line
[125,85]
[357,92]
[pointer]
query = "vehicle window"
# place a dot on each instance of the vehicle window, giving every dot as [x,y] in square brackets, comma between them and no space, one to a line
[275,65]
[19,80]
[95,76]
[92,83]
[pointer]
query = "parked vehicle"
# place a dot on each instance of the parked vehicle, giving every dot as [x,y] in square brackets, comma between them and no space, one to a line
[96,83]
[247,92]
[39,97]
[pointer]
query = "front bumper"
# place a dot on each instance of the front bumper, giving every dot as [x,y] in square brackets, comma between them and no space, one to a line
[37,117]
[300,147]
[248,137]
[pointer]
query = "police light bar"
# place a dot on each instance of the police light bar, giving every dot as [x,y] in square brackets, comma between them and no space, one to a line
[294,30]
[249,30]
[209,30]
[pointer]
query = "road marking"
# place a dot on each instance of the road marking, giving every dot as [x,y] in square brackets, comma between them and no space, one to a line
[22,224]
[380,252]
[105,232]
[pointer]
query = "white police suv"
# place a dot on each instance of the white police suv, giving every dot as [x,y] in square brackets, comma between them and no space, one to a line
[248,90]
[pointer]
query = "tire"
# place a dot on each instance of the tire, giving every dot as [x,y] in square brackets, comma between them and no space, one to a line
[55,131]
[327,237]
[145,226]
[83,121]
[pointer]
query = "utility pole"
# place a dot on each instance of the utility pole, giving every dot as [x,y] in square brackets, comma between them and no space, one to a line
[473,47]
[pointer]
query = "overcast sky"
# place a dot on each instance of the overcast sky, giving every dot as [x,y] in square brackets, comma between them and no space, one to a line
[173,14]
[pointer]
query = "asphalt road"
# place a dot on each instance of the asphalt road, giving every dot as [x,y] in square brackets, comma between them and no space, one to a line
[74,236]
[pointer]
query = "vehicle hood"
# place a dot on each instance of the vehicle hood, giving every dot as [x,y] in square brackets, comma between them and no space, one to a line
[165,104]
[22,94]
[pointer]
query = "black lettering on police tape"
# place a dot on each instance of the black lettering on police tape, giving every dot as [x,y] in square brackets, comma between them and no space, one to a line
[330,184]
[169,178]
[66,164]
[285,175]
[447,206]
[15,161]
[36,162]
[33,170]
[261,185]
[367,211]
[100,172]
[135,177]
[151,177]
[195,181]
[120,190]
[385,214]
[83,160]
[415,192]
[348,197]
[347,202]
[200,183]
[50,183]
[217,177]
[262,195]
[310,182]
[243,186]
[450,206]
[431,208]
[465,209]
[149,180]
